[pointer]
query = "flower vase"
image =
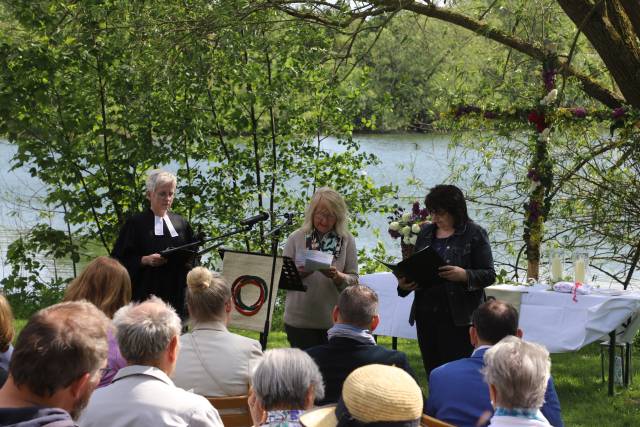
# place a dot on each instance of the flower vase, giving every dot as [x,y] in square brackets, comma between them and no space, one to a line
[407,250]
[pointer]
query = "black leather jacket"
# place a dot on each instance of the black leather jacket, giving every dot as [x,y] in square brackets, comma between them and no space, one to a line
[468,248]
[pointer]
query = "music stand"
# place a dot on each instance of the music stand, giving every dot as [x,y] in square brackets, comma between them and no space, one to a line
[290,279]
[180,255]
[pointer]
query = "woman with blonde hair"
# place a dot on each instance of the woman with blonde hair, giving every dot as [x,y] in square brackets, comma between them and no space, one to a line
[307,315]
[105,283]
[213,361]
[6,336]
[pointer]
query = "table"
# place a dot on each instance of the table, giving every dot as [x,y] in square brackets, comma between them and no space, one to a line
[552,319]
[563,322]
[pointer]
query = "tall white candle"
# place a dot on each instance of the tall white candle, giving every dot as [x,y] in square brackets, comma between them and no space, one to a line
[580,270]
[556,269]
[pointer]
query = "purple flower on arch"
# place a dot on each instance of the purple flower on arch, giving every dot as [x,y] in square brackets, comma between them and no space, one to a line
[618,113]
[415,209]
[579,112]
[549,78]
[533,175]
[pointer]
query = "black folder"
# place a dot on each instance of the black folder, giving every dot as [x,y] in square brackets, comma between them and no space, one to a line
[180,255]
[421,267]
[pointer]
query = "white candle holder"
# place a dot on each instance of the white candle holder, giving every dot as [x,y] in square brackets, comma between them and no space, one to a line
[556,265]
[580,266]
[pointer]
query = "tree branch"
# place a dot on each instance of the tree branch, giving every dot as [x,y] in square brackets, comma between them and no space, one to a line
[610,32]
[589,85]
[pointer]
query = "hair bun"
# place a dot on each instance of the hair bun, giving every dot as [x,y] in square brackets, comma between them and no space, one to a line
[199,278]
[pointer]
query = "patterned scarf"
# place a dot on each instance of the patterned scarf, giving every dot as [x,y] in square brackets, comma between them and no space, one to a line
[283,418]
[330,242]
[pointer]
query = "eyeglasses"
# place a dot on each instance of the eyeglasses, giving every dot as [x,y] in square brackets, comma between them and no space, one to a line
[324,215]
[438,212]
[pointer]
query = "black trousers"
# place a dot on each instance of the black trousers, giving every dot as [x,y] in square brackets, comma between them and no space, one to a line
[440,340]
[304,338]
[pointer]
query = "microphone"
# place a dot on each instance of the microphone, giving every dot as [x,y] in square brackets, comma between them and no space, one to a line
[247,222]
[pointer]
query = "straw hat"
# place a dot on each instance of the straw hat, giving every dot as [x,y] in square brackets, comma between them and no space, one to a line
[373,393]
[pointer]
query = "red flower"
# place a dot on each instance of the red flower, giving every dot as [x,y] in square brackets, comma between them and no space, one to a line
[538,119]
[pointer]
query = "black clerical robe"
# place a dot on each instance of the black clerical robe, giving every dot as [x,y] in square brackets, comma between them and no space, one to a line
[137,239]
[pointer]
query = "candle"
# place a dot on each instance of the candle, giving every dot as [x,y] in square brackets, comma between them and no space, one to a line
[580,270]
[556,269]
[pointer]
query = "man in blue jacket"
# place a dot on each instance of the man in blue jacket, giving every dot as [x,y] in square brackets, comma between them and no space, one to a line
[457,391]
[351,344]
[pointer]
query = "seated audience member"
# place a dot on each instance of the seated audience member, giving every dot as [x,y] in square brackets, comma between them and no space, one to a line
[142,394]
[55,366]
[517,373]
[105,283]
[377,395]
[351,344]
[457,391]
[285,384]
[212,360]
[6,336]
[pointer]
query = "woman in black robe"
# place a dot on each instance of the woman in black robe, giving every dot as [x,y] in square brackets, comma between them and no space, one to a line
[145,235]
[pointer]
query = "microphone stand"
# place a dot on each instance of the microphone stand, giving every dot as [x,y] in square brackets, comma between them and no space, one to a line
[195,253]
[235,231]
[275,234]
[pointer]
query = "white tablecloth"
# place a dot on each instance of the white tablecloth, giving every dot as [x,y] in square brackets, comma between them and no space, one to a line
[562,324]
[549,318]
[393,310]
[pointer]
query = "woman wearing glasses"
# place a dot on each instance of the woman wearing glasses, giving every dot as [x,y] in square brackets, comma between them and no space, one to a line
[307,315]
[145,235]
[442,309]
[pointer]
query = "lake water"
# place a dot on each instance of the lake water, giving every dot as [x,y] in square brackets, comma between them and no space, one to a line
[414,162]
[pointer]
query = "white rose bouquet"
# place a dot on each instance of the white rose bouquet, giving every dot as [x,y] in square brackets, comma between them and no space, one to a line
[406,226]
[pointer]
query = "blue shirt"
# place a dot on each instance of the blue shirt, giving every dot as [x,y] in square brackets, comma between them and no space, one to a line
[459,395]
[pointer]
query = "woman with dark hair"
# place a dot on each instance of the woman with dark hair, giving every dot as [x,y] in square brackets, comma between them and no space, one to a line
[442,309]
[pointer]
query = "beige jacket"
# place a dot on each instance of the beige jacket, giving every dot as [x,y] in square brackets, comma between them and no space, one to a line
[145,396]
[312,309]
[215,362]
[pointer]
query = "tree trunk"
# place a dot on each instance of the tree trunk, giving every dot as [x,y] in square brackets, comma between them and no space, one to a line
[611,32]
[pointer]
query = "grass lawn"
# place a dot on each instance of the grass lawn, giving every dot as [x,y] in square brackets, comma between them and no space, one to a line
[582,393]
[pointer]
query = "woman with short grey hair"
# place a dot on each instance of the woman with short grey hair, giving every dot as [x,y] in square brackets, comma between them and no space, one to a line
[285,384]
[143,238]
[517,373]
